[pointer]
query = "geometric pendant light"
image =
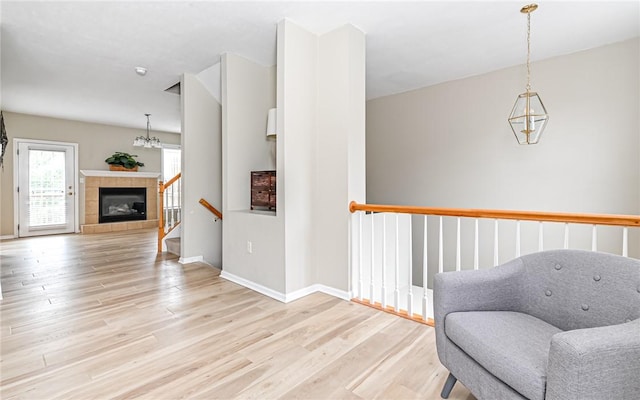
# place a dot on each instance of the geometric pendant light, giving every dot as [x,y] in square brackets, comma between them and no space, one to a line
[529,116]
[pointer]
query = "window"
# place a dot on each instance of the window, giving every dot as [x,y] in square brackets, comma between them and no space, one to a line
[171,161]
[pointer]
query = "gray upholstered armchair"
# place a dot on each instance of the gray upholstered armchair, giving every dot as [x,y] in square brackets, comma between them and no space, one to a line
[562,324]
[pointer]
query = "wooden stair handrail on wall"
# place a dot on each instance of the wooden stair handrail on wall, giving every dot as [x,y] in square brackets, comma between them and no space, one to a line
[594,219]
[211,208]
[162,187]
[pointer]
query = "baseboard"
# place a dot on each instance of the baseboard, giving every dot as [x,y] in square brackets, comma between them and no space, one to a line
[253,286]
[341,294]
[285,298]
[8,237]
[189,260]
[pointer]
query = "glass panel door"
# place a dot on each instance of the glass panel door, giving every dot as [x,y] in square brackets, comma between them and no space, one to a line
[46,193]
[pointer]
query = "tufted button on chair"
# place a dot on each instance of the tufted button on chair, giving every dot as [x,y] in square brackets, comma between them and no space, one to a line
[555,325]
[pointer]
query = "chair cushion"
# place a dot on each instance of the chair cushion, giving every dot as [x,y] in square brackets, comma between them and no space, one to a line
[512,346]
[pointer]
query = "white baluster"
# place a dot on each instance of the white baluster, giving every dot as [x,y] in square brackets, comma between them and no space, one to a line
[495,242]
[440,250]
[594,238]
[384,261]
[517,238]
[458,245]
[625,240]
[425,275]
[371,288]
[166,211]
[566,235]
[540,237]
[360,255]
[410,294]
[173,221]
[476,258]
[179,211]
[396,292]
[353,250]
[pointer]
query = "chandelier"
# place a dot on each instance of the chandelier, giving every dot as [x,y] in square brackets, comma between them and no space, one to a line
[147,142]
[528,117]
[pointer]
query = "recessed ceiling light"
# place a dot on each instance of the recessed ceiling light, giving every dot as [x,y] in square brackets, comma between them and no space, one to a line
[142,71]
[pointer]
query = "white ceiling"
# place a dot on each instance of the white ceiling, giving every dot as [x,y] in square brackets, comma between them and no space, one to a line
[76,60]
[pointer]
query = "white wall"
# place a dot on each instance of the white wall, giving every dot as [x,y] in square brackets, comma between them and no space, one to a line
[321,101]
[339,150]
[248,91]
[450,145]
[249,95]
[320,161]
[297,109]
[201,172]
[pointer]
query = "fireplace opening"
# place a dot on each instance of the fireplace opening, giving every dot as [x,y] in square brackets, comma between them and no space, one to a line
[118,204]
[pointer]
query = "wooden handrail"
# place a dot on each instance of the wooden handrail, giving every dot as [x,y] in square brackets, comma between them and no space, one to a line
[211,208]
[593,219]
[165,185]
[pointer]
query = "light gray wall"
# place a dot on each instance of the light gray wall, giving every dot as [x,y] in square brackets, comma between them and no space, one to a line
[96,142]
[450,145]
[297,110]
[248,91]
[201,172]
[320,160]
[339,150]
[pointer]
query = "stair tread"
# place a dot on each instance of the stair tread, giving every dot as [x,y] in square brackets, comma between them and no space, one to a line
[173,245]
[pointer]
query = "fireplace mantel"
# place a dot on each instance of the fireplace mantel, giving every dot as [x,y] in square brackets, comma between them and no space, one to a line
[119,174]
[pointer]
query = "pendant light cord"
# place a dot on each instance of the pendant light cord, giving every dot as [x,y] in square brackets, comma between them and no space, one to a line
[528,51]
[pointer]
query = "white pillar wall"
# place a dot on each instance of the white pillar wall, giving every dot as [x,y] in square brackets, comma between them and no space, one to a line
[201,238]
[321,101]
[320,87]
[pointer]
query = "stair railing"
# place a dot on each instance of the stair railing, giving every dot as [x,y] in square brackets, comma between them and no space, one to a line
[170,215]
[382,267]
[211,208]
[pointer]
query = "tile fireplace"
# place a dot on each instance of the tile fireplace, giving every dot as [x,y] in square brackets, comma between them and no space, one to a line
[95,180]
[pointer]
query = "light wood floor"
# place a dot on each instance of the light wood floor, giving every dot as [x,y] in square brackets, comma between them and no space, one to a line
[102,316]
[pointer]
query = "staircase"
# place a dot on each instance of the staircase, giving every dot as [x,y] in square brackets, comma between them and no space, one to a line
[171,211]
[170,195]
[173,245]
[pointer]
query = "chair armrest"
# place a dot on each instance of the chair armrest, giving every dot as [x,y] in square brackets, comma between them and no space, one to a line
[595,363]
[492,289]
